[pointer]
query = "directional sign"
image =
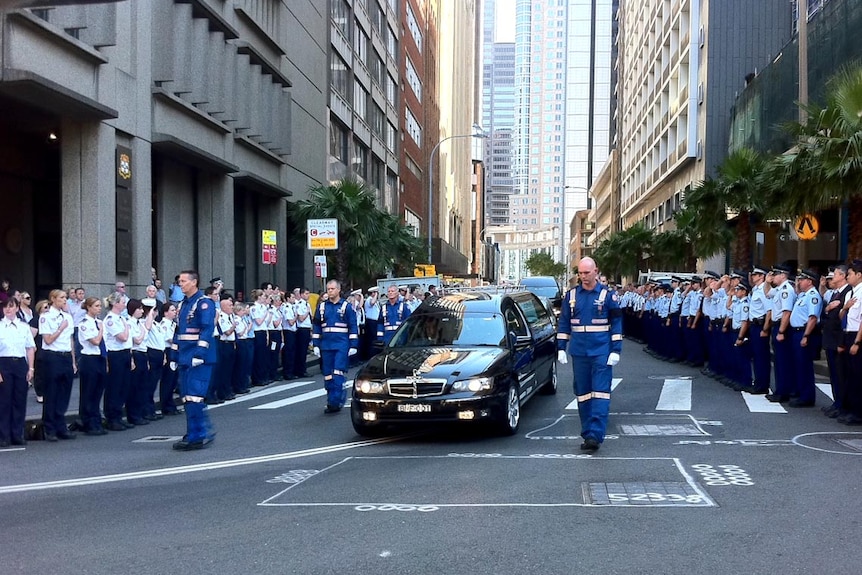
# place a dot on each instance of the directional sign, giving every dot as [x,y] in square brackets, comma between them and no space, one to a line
[323,234]
[807,227]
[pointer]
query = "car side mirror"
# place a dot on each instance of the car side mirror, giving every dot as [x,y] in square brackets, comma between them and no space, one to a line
[519,341]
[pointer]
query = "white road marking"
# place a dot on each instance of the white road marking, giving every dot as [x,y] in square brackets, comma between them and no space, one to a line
[263,393]
[675,395]
[759,404]
[614,383]
[826,388]
[297,398]
[166,471]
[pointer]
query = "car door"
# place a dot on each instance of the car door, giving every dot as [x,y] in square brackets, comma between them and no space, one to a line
[521,342]
[543,333]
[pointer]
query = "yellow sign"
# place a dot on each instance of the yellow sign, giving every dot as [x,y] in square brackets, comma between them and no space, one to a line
[424,270]
[268,237]
[807,227]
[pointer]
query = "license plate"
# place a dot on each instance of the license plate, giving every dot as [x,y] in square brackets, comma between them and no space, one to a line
[414,408]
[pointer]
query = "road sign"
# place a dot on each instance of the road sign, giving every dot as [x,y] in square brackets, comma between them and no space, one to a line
[320,270]
[323,234]
[269,247]
[807,227]
[424,270]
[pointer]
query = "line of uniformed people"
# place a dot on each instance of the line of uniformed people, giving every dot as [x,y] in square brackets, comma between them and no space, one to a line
[758,334]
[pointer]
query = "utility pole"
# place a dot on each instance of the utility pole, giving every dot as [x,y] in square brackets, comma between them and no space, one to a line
[802,245]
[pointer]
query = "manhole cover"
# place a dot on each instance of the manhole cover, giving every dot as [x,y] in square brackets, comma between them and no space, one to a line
[660,429]
[655,494]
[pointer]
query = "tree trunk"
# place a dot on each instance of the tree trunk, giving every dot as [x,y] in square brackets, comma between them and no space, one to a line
[742,242]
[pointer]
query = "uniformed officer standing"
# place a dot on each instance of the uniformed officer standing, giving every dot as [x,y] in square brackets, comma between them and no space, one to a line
[335,338]
[591,328]
[303,331]
[56,327]
[695,339]
[17,354]
[782,296]
[740,365]
[196,355]
[675,349]
[803,323]
[288,331]
[758,333]
[833,332]
[372,316]
[393,312]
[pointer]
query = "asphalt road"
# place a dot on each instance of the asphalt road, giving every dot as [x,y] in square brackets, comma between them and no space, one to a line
[691,479]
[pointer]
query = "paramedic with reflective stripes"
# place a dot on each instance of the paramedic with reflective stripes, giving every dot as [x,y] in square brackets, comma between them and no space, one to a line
[393,312]
[590,329]
[335,338]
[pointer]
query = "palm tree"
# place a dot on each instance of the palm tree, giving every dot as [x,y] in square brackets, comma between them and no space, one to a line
[670,251]
[703,220]
[824,168]
[624,252]
[369,241]
[745,191]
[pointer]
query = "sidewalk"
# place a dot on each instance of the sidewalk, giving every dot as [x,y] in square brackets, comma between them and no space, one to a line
[34,408]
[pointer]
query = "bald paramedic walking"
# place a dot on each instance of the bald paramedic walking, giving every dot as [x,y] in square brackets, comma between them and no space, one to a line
[591,330]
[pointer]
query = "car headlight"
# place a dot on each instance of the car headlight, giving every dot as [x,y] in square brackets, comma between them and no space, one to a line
[474,384]
[369,386]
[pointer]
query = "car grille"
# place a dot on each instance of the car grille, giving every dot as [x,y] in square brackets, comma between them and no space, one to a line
[416,388]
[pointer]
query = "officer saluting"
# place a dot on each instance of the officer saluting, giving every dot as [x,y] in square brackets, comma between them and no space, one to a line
[334,329]
[591,328]
[196,355]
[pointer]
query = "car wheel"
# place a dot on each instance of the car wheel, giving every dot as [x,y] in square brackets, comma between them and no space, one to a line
[511,417]
[550,388]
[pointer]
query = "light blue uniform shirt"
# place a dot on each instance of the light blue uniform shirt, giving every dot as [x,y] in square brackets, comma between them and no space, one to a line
[807,304]
[783,297]
[740,309]
[759,303]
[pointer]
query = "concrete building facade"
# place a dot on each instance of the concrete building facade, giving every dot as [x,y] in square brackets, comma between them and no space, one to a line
[166,135]
[681,62]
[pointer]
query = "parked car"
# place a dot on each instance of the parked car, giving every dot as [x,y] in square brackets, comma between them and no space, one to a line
[460,357]
[544,286]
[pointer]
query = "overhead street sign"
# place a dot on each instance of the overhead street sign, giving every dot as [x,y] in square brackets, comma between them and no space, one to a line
[323,234]
[807,227]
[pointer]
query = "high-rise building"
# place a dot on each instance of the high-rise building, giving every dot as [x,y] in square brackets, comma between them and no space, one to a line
[681,62]
[498,118]
[364,95]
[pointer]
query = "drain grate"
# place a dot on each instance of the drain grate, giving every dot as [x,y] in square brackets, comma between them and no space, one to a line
[660,429]
[158,439]
[655,494]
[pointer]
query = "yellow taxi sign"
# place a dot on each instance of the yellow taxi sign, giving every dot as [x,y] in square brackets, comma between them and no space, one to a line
[807,227]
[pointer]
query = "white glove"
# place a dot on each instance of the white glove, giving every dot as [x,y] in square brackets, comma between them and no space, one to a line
[351,351]
[173,366]
[197,361]
[561,357]
[316,351]
[613,359]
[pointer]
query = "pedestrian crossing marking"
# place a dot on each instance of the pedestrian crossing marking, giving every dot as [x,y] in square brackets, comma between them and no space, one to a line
[826,388]
[675,395]
[614,383]
[263,393]
[297,398]
[759,404]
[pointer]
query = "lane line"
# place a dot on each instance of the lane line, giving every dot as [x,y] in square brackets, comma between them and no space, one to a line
[574,403]
[675,395]
[759,404]
[166,471]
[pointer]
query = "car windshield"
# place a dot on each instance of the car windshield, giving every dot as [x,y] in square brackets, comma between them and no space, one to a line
[461,329]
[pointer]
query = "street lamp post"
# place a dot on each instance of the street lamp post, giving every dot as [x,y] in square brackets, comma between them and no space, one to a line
[566,224]
[477,133]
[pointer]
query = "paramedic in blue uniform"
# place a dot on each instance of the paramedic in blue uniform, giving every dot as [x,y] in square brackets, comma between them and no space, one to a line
[803,344]
[335,338]
[591,329]
[196,356]
[393,312]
